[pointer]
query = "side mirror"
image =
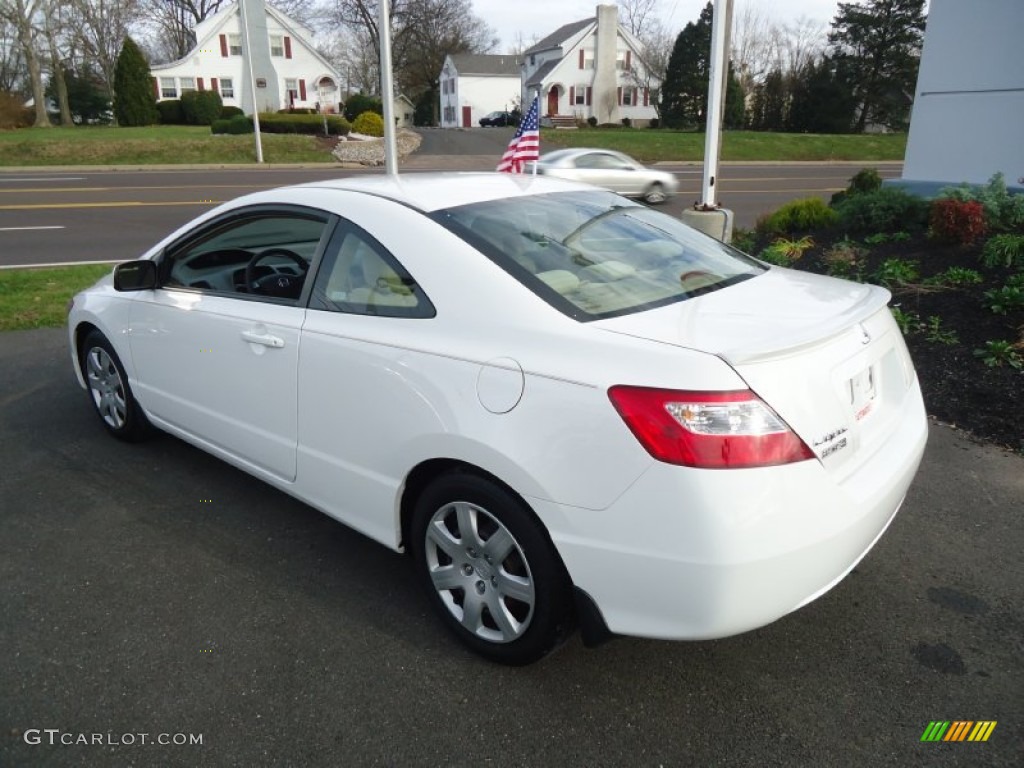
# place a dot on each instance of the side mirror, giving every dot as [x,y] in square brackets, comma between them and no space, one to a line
[135,276]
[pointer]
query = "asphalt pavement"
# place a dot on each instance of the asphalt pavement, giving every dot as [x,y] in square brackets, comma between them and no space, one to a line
[151,589]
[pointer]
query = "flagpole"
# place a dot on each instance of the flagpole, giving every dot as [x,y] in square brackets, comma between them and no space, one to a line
[387,90]
[247,60]
[536,97]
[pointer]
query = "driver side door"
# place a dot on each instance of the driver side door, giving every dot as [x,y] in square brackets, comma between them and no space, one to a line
[216,346]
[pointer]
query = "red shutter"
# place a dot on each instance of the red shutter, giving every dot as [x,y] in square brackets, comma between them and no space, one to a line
[589,91]
[213,85]
[288,49]
[581,58]
[572,95]
[302,89]
[647,97]
[224,46]
[199,83]
[618,95]
[627,60]
[156,88]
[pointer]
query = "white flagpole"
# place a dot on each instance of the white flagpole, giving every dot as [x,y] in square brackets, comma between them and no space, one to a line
[252,83]
[716,97]
[536,98]
[387,90]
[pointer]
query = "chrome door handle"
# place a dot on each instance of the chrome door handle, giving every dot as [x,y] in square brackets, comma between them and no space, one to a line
[265,339]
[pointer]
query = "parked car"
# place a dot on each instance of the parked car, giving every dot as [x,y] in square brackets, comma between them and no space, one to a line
[499,119]
[610,170]
[569,408]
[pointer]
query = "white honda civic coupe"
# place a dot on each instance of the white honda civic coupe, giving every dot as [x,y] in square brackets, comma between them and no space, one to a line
[572,410]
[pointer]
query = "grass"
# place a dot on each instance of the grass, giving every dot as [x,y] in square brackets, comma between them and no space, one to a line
[652,145]
[152,145]
[37,298]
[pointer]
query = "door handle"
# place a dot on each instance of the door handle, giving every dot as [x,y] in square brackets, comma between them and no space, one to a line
[266,339]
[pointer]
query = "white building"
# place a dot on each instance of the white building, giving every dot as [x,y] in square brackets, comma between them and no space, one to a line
[287,70]
[969,103]
[590,68]
[473,85]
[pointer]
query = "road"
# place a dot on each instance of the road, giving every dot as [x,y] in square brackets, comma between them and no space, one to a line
[76,216]
[152,589]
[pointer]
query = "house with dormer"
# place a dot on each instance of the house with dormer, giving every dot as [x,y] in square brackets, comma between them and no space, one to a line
[287,70]
[590,68]
[473,85]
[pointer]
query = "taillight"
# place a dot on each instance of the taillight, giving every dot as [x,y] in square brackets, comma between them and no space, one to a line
[712,430]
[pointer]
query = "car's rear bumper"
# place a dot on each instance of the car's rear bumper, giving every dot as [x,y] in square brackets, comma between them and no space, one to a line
[669,559]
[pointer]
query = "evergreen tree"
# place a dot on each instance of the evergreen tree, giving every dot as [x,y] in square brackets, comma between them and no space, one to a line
[735,116]
[87,97]
[821,100]
[134,103]
[684,94]
[770,102]
[876,46]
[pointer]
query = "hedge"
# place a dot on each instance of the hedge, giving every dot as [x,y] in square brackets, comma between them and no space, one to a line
[170,112]
[236,125]
[201,107]
[308,124]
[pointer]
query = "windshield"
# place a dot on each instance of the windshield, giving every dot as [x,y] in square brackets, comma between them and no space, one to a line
[595,254]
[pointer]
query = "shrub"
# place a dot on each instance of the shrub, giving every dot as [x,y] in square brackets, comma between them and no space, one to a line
[312,125]
[134,103]
[845,259]
[201,107]
[236,125]
[1004,251]
[784,252]
[170,112]
[957,221]
[1003,301]
[592,121]
[226,113]
[955,277]
[888,209]
[297,111]
[627,122]
[13,114]
[369,124]
[1003,211]
[803,215]
[359,103]
[894,273]
[654,123]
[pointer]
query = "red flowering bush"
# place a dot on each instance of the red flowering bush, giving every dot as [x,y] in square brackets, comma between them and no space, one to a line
[957,221]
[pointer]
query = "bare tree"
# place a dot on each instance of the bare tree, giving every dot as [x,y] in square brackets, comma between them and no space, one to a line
[656,48]
[637,15]
[754,45]
[352,53]
[801,42]
[12,61]
[24,16]
[100,29]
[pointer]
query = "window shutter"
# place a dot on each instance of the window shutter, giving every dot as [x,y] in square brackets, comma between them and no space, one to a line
[589,91]
[627,60]
[647,97]
[581,58]
[199,83]
[213,85]
[572,95]
[156,88]
[618,94]
[302,90]
[224,46]
[288,49]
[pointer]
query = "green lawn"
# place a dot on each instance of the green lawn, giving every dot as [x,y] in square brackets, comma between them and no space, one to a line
[37,298]
[652,145]
[153,145]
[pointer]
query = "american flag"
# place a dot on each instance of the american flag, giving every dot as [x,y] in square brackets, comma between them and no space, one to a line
[525,145]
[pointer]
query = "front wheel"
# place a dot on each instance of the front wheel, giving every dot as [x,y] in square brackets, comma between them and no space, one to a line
[109,391]
[655,194]
[490,569]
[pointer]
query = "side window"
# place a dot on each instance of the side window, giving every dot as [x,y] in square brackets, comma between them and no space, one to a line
[261,254]
[358,276]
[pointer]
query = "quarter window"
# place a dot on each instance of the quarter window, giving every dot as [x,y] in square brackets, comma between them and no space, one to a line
[358,276]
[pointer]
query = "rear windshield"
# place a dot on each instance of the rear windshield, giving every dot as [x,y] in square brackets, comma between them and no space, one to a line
[595,254]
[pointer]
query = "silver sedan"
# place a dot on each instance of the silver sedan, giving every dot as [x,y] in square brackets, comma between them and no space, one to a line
[610,170]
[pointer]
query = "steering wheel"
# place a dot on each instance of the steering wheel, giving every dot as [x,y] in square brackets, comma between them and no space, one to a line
[279,284]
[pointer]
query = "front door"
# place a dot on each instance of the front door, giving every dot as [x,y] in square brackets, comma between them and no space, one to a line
[553,100]
[467,117]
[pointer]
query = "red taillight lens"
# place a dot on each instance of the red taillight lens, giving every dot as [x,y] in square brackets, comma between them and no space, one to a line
[712,430]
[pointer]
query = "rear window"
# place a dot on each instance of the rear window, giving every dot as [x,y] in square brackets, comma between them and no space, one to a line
[595,254]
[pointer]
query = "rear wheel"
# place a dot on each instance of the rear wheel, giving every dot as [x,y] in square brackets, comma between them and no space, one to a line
[655,194]
[109,391]
[490,569]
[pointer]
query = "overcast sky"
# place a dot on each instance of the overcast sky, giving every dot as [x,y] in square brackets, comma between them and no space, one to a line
[542,17]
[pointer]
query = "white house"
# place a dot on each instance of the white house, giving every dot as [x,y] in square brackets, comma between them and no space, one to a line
[969,101]
[287,70]
[473,85]
[590,68]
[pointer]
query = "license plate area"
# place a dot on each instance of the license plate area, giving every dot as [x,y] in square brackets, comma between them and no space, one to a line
[862,390]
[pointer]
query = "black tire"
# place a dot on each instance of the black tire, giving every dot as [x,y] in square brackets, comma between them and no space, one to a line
[109,392]
[655,194]
[481,577]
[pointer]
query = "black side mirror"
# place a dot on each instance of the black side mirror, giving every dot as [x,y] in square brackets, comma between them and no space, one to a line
[135,276]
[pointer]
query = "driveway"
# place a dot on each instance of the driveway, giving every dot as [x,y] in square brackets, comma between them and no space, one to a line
[153,590]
